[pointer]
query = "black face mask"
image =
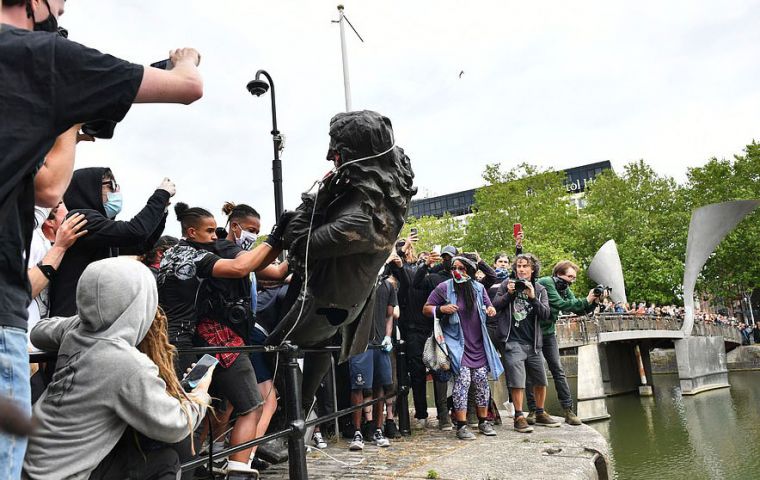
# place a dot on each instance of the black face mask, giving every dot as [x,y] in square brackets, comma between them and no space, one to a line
[50,24]
[560,283]
[447,264]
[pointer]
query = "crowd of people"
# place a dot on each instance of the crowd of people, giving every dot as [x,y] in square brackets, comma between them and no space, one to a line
[750,333]
[114,300]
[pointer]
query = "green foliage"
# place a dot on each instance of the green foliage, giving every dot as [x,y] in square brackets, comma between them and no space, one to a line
[645,213]
[734,267]
[535,198]
[432,474]
[435,231]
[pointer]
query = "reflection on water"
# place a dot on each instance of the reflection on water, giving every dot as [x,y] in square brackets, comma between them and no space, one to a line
[713,435]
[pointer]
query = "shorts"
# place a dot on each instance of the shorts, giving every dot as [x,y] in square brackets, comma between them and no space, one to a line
[522,360]
[259,359]
[370,369]
[237,383]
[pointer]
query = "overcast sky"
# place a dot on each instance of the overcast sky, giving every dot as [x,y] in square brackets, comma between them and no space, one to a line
[557,84]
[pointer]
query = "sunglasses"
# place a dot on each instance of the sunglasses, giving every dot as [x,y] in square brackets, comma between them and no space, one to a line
[111,184]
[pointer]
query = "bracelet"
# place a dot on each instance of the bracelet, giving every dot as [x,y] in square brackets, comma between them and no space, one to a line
[48,270]
[438,312]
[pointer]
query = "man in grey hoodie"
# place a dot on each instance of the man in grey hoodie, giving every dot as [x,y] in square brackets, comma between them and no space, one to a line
[102,383]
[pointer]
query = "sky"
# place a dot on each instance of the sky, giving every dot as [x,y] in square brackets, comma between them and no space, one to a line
[552,83]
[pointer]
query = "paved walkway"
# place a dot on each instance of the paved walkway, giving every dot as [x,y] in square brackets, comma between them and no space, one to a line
[547,453]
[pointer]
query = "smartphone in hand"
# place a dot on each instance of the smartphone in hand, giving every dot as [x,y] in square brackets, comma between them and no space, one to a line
[517,229]
[194,377]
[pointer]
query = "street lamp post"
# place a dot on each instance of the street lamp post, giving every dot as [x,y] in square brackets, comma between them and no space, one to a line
[259,87]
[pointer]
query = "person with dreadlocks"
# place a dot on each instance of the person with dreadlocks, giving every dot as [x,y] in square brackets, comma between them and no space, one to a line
[462,306]
[103,383]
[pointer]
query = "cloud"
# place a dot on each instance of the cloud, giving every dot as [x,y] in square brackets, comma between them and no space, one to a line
[551,83]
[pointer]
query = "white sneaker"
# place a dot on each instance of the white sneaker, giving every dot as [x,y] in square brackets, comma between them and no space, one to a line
[358,442]
[318,440]
[420,423]
[379,439]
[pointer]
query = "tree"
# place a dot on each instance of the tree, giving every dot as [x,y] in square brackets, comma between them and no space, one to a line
[734,268]
[435,231]
[535,198]
[645,214]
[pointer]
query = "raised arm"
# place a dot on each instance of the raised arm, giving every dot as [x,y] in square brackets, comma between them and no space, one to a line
[181,84]
[255,260]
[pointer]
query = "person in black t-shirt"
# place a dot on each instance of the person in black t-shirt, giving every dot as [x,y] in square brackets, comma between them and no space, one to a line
[49,85]
[244,224]
[371,371]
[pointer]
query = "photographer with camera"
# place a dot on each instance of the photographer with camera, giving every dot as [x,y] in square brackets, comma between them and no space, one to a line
[562,299]
[521,304]
[190,292]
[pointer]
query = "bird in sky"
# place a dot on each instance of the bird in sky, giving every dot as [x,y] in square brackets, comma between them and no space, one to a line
[461,73]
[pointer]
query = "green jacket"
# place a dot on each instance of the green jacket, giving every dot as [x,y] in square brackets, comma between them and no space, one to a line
[566,303]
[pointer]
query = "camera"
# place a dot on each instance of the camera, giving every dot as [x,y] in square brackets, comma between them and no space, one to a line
[600,289]
[237,312]
[520,285]
[104,128]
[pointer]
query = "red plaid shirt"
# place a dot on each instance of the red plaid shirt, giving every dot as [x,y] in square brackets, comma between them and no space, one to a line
[218,335]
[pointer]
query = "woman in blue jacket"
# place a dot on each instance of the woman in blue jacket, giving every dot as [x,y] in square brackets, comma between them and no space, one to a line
[462,305]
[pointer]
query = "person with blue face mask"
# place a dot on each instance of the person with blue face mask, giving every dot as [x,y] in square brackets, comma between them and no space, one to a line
[95,193]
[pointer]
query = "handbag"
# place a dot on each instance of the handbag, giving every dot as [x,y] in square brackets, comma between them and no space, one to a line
[435,354]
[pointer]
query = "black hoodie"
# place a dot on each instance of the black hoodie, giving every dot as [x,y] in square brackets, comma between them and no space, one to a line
[105,237]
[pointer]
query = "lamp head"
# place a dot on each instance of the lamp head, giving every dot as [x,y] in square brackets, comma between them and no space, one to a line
[257,87]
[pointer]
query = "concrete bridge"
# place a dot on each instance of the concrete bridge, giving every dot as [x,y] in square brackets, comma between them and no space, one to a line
[613,355]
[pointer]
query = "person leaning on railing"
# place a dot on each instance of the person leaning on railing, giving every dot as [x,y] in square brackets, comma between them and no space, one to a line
[103,384]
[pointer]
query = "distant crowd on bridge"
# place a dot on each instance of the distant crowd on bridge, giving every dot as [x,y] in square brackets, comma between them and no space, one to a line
[750,332]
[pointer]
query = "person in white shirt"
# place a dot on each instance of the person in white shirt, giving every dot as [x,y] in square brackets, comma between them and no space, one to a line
[53,235]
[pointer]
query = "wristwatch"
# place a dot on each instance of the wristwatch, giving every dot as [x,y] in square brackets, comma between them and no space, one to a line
[48,270]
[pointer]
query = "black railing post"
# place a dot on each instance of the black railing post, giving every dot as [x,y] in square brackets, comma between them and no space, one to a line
[402,396]
[296,446]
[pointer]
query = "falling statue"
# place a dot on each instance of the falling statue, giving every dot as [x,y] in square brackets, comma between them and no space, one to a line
[340,237]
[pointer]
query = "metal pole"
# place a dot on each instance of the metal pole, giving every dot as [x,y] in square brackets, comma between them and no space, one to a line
[276,142]
[296,445]
[346,85]
[335,395]
[748,299]
[402,397]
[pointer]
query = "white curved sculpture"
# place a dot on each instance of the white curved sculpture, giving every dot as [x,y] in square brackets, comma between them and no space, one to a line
[605,268]
[708,227]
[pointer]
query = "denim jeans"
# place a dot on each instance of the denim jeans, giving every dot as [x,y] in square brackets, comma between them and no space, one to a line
[14,386]
[551,354]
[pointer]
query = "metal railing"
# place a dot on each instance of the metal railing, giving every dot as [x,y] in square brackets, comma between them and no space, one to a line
[296,424]
[575,331]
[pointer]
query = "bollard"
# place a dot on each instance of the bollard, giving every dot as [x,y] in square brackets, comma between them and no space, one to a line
[402,396]
[296,446]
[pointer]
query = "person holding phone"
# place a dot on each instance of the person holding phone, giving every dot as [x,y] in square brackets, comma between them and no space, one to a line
[104,384]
